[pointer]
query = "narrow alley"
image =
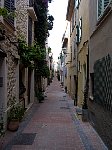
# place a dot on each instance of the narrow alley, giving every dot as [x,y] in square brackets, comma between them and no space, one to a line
[53,125]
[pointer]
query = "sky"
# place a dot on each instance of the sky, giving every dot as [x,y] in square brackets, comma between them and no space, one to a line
[58,9]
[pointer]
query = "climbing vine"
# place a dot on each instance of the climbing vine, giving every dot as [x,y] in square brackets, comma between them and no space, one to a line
[5,13]
[44,23]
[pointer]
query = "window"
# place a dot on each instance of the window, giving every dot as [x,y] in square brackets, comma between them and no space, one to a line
[72,22]
[29,31]
[80,28]
[77,34]
[77,2]
[101,6]
[92,83]
[71,52]
[79,66]
[79,31]
[10,6]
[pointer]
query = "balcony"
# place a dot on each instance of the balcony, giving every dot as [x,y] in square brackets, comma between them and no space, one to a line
[31,10]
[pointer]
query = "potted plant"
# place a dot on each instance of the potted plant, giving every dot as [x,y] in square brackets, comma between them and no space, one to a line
[85,106]
[14,117]
[40,95]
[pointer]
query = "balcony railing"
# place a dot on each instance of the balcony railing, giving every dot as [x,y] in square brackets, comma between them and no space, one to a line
[10,6]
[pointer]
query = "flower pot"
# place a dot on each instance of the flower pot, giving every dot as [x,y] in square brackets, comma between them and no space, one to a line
[13,125]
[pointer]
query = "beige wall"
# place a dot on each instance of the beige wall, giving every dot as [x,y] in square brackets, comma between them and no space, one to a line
[103,45]
[100,45]
[83,48]
[72,60]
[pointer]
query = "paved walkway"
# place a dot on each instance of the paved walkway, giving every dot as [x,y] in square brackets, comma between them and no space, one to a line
[53,125]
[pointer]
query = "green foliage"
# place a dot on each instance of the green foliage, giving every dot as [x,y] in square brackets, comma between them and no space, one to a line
[49,50]
[4,12]
[42,69]
[16,112]
[40,95]
[50,20]
[30,53]
[44,23]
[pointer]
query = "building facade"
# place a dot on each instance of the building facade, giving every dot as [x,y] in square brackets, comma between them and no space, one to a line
[100,49]
[11,69]
[72,52]
[82,36]
[25,17]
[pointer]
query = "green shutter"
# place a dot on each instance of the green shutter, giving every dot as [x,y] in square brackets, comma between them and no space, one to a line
[77,34]
[76,3]
[106,2]
[80,28]
[100,7]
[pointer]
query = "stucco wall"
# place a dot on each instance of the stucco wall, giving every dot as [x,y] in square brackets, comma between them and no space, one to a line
[101,41]
[83,48]
[102,122]
[100,46]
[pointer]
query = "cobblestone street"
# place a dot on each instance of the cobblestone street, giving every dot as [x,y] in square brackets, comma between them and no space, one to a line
[53,125]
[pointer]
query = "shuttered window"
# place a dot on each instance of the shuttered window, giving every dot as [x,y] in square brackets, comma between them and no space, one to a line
[10,6]
[76,3]
[101,6]
[106,2]
[80,29]
[77,34]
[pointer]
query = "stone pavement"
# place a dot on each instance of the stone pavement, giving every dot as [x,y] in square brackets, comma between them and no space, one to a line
[53,125]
